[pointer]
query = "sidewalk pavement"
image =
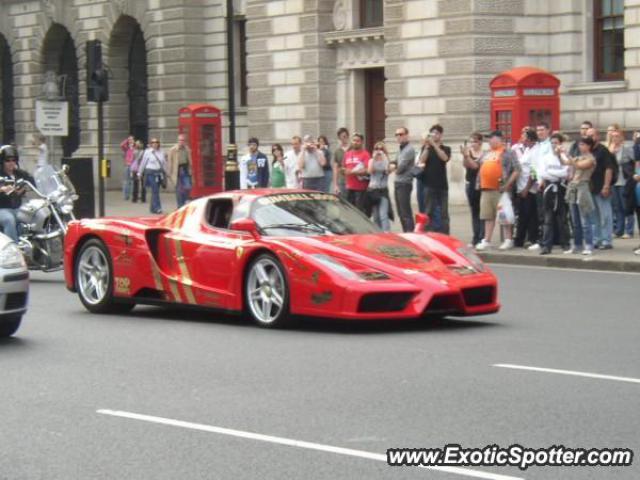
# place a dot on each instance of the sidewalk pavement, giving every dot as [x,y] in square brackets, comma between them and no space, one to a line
[619,259]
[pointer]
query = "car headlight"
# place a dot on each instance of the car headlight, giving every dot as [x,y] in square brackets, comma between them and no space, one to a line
[473,258]
[335,266]
[11,257]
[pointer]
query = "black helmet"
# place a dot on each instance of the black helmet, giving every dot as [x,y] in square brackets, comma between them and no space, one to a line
[8,151]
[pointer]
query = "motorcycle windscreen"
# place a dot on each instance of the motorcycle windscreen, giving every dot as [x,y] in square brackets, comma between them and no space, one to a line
[47,179]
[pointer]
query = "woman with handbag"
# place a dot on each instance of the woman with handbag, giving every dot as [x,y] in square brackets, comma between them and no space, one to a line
[378,189]
[180,166]
[153,168]
[139,189]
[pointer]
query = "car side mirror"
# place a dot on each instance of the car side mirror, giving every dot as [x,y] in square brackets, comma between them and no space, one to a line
[422,220]
[246,225]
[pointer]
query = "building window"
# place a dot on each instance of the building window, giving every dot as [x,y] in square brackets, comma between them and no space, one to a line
[609,39]
[371,13]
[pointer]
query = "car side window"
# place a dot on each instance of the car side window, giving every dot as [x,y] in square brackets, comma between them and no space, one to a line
[219,212]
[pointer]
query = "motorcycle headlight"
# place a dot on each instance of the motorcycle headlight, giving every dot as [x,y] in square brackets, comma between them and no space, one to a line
[471,256]
[11,257]
[66,208]
[336,266]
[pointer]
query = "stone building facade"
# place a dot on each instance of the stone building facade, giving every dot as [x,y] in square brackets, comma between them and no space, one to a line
[315,65]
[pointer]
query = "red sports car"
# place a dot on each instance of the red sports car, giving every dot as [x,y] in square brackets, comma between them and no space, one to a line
[274,254]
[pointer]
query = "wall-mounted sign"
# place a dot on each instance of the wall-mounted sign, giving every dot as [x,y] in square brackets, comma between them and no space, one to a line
[52,118]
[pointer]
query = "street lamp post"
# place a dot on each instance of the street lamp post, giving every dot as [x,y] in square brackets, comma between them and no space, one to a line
[231,171]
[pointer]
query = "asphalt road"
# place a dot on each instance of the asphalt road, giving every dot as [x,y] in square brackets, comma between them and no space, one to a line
[366,387]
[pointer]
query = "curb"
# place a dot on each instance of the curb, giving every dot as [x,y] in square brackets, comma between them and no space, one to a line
[589,263]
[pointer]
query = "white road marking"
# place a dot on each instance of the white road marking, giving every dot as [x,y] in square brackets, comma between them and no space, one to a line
[564,269]
[380,457]
[568,372]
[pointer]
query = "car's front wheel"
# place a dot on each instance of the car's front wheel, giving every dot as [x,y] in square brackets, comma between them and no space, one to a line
[267,292]
[9,325]
[94,279]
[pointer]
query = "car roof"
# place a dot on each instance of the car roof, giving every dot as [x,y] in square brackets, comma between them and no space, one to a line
[257,193]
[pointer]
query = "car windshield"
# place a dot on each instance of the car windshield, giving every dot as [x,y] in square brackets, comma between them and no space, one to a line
[309,214]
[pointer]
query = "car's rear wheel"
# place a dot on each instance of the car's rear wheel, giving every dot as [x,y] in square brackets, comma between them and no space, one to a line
[9,325]
[94,279]
[267,292]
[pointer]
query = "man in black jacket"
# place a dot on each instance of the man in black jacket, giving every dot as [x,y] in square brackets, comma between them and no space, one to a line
[433,158]
[10,196]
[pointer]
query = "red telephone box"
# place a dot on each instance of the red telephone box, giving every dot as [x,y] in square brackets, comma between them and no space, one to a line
[524,96]
[201,124]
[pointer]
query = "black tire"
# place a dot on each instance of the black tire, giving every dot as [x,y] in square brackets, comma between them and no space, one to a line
[282,318]
[108,303]
[9,325]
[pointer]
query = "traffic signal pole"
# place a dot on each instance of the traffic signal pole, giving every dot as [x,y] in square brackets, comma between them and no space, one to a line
[98,91]
[100,160]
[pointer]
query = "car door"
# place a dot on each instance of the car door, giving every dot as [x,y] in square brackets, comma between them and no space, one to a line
[205,258]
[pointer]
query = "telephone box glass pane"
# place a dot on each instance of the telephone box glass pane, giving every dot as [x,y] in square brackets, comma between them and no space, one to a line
[207,155]
[184,130]
[503,122]
[539,116]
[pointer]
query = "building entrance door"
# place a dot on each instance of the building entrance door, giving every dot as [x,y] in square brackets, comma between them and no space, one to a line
[374,106]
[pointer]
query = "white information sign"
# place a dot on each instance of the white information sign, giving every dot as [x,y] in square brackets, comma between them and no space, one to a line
[52,118]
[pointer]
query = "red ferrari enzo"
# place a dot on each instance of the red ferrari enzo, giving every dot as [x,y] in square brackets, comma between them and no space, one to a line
[274,254]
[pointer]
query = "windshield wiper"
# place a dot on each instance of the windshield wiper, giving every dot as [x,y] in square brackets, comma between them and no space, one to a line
[302,227]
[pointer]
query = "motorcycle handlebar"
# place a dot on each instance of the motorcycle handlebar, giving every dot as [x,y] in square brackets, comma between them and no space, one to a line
[20,183]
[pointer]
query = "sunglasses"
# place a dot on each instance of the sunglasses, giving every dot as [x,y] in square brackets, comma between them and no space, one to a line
[379,149]
[399,134]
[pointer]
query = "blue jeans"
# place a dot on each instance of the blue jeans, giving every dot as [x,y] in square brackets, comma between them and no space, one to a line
[623,223]
[420,195]
[182,195]
[603,220]
[328,181]
[437,207]
[127,183]
[153,178]
[314,183]
[582,227]
[477,225]
[381,214]
[8,223]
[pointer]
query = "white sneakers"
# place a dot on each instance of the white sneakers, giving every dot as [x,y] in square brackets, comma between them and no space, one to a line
[587,251]
[483,245]
[506,245]
[534,247]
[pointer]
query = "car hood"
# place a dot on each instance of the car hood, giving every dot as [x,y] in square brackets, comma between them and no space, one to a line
[401,255]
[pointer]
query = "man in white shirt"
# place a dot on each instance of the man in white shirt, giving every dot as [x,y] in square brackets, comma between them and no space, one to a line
[526,190]
[291,170]
[552,178]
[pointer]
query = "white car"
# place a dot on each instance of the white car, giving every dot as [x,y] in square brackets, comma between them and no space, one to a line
[14,286]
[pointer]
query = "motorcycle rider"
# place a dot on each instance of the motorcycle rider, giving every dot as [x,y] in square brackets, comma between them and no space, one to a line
[10,196]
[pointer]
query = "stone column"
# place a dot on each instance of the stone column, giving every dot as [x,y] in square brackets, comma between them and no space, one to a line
[342,98]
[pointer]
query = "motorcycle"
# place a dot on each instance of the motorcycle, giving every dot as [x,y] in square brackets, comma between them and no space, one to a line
[42,221]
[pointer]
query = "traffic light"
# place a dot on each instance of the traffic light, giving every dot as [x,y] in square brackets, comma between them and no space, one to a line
[97,77]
